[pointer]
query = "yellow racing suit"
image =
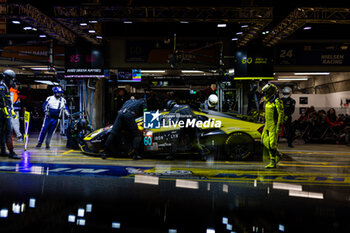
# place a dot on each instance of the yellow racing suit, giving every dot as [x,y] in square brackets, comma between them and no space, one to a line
[274,114]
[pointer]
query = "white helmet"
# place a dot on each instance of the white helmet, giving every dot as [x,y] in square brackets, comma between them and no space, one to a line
[286,92]
[9,73]
[213,100]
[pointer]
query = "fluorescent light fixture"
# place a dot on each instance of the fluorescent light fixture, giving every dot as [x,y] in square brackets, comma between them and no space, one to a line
[152,71]
[172,231]
[184,22]
[27,28]
[83,24]
[229,227]
[16,208]
[307,28]
[234,39]
[81,212]
[146,179]
[244,26]
[312,73]
[92,31]
[81,222]
[99,37]
[88,208]
[4,213]
[224,220]
[32,203]
[210,230]
[46,82]
[239,33]
[187,184]
[93,21]
[42,36]
[191,71]
[294,193]
[39,68]
[16,22]
[252,78]
[221,25]
[71,218]
[34,29]
[116,225]
[285,186]
[128,22]
[293,79]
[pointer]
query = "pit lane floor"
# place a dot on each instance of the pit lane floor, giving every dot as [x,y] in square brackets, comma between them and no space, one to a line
[61,190]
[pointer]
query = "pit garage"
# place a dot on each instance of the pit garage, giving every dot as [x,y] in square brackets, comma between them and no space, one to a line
[116,166]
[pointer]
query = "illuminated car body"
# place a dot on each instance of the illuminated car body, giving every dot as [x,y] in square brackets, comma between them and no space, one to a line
[235,139]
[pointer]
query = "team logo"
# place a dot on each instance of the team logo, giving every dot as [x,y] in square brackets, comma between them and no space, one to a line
[151,120]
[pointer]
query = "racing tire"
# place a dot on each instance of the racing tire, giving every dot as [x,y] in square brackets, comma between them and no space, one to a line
[239,146]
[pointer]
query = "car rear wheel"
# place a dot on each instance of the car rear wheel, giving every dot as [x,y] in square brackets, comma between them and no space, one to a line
[239,146]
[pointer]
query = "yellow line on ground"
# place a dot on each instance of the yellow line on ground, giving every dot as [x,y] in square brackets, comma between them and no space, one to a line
[317,153]
[309,165]
[67,152]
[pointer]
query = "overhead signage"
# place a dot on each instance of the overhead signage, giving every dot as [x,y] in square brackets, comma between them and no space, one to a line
[312,55]
[84,63]
[32,52]
[254,63]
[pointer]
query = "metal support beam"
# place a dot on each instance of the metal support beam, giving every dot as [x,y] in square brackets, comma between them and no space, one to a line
[301,16]
[34,17]
[256,17]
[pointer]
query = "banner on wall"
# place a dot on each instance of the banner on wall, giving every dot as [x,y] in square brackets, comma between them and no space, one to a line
[32,52]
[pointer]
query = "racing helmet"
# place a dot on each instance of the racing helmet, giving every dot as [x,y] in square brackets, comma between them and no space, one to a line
[9,77]
[286,92]
[270,91]
[170,104]
[213,100]
[57,90]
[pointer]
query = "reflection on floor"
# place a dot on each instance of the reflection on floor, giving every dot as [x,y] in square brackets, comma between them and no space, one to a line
[62,190]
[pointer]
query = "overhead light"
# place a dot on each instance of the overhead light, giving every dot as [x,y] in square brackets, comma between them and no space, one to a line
[92,31]
[83,24]
[34,29]
[39,68]
[234,39]
[313,73]
[182,21]
[16,22]
[244,26]
[186,184]
[293,79]
[210,230]
[191,71]
[252,78]
[221,25]
[285,186]
[93,21]
[146,179]
[27,28]
[152,71]
[47,82]
[307,28]
[42,36]
[99,37]
[128,22]
[239,33]
[294,193]
[116,225]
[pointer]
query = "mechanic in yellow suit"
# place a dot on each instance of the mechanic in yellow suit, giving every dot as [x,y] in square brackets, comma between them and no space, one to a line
[273,124]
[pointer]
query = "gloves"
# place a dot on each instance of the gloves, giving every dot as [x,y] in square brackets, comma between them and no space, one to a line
[13,114]
[6,112]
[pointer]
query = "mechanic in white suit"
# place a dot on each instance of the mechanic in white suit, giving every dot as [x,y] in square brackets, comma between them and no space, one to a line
[53,107]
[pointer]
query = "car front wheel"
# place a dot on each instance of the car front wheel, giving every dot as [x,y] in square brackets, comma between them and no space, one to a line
[239,146]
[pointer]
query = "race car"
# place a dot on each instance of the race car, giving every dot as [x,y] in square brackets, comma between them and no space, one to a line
[232,139]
